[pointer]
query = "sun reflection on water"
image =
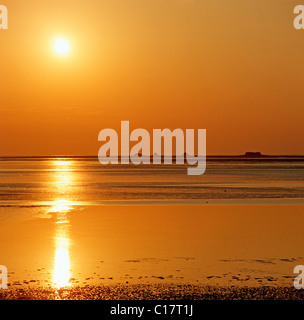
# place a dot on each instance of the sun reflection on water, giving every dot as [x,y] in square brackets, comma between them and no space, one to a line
[61,208]
[62,274]
[62,267]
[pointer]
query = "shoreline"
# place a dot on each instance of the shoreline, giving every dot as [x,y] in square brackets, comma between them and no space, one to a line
[153,292]
[153,202]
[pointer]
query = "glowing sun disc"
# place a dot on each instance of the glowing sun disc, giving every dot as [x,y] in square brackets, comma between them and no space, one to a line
[61,46]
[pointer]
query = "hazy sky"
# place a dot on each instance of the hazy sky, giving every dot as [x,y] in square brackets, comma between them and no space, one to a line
[232,67]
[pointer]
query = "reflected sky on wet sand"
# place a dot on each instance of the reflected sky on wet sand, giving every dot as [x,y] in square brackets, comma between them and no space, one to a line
[61,244]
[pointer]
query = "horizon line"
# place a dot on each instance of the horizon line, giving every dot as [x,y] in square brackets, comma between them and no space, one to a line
[151,155]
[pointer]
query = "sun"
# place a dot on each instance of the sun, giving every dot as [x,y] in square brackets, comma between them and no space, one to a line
[61,46]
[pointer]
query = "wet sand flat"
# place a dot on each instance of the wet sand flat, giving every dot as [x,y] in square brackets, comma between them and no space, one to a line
[202,245]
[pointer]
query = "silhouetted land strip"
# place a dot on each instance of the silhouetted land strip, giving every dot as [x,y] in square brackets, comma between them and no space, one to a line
[154,292]
[210,158]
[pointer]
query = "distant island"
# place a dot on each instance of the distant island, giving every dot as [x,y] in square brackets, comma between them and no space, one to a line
[252,154]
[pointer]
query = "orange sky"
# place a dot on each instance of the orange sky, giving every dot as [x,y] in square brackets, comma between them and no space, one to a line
[232,67]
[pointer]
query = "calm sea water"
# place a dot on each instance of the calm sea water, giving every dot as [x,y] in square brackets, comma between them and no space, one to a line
[54,208]
[83,180]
